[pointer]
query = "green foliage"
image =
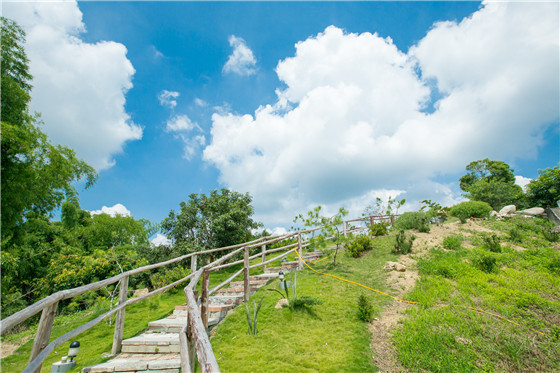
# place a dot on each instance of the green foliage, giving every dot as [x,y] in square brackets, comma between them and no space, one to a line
[550,235]
[453,242]
[252,322]
[380,208]
[470,209]
[545,190]
[492,243]
[330,227]
[414,220]
[379,229]
[296,302]
[403,243]
[515,235]
[365,309]
[360,244]
[492,182]
[485,262]
[221,219]
[168,276]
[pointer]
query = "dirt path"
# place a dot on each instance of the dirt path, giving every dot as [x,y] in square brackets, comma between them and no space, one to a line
[401,283]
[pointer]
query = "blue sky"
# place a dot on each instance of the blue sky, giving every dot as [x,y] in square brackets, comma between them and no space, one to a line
[331,103]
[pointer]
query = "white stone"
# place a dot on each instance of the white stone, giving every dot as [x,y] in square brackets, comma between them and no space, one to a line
[506,210]
[535,211]
[400,267]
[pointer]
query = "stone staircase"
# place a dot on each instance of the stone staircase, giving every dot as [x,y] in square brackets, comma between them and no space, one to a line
[156,350]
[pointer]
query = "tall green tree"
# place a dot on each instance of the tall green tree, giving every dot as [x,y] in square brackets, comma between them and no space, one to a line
[221,219]
[36,175]
[545,190]
[492,182]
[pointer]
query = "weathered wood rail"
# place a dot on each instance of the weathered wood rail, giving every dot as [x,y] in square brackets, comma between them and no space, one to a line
[194,342]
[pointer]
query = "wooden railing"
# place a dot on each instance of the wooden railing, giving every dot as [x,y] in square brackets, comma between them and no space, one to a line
[194,341]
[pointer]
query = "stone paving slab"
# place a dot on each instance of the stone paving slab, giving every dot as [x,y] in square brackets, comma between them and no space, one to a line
[124,362]
[156,339]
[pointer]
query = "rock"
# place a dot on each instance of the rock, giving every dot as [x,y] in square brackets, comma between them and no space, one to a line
[400,267]
[437,220]
[139,292]
[389,266]
[506,210]
[281,303]
[494,214]
[535,211]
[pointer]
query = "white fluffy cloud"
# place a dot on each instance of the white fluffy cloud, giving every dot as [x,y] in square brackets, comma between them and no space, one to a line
[188,132]
[168,98]
[241,61]
[78,87]
[161,240]
[352,119]
[522,181]
[115,210]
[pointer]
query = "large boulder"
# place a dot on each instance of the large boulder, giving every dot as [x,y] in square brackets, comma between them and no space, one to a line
[506,210]
[535,211]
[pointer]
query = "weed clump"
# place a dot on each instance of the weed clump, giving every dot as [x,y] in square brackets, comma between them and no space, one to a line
[492,243]
[359,245]
[365,309]
[414,220]
[486,263]
[515,235]
[378,229]
[403,243]
[453,242]
[550,235]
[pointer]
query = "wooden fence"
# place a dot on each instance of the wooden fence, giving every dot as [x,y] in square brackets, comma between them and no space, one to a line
[194,341]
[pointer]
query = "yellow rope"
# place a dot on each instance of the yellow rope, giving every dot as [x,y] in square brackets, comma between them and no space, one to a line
[406,301]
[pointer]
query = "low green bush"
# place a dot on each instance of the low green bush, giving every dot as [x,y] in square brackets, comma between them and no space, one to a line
[515,235]
[486,263]
[403,243]
[365,309]
[453,242]
[359,245]
[167,276]
[492,243]
[470,209]
[379,229]
[550,235]
[414,220]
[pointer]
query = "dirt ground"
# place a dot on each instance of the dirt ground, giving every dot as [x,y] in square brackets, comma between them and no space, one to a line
[402,282]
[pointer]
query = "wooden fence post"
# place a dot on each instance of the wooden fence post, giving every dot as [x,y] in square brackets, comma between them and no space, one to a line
[43,332]
[300,251]
[371,221]
[204,300]
[246,275]
[187,350]
[193,264]
[345,228]
[263,249]
[119,321]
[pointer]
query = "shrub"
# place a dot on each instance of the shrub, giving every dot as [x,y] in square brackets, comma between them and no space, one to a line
[379,229]
[485,263]
[492,243]
[515,235]
[167,276]
[413,220]
[453,242]
[403,243]
[358,245]
[365,309]
[550,235]
[470,209]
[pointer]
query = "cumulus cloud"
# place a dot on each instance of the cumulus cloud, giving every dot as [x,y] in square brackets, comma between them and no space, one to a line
[241,61]
[161,240]
[113,211]
[200,102]
[168,98]
[522,181]
[78,87]
[352,119]
[188,132]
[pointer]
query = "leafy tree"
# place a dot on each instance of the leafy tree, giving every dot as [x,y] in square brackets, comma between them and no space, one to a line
[331,226]
[36,175]
[221,219]
[391,207]
[492,182]
[545,190]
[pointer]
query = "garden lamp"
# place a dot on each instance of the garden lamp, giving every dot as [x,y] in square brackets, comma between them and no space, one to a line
[73,350]
[281,274]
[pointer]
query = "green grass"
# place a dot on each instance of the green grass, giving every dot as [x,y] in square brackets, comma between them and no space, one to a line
[524,286]
[326,338]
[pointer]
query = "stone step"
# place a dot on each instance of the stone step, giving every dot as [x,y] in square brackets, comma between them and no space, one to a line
[252,283]
[218,310]
[171,324]
[235,290]
[152,343]
[265,276]
[226,299]
[276,270]
[128,363]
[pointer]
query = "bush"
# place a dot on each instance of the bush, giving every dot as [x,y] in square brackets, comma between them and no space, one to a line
[379,229]
[485,263]
[414,220]
[453,242]
[365,309]
[470,209]
[515,235]
[359,245]
[492,243]
[168,276]
[550,235]
[403,243]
